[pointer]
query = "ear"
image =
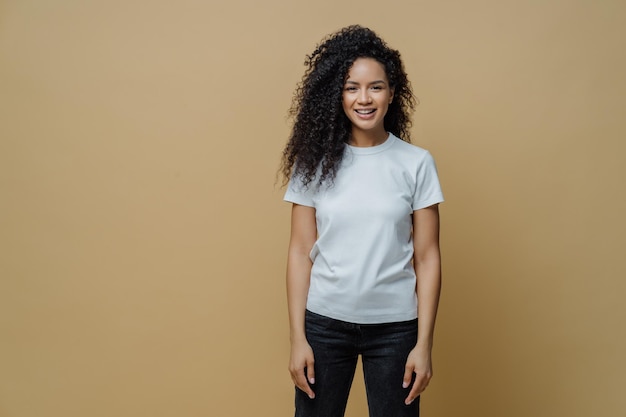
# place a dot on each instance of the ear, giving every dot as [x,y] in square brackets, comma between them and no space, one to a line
[391,97]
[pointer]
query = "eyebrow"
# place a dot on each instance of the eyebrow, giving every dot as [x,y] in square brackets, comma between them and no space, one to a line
[373,82]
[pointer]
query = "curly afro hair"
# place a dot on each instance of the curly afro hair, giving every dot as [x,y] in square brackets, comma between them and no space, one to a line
[321,129]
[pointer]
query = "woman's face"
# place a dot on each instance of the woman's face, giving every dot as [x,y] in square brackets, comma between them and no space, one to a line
[366,96]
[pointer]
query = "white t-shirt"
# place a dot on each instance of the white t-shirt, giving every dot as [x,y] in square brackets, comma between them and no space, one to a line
[362,270]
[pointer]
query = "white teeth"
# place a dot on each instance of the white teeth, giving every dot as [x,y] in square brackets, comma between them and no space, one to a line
[365,111]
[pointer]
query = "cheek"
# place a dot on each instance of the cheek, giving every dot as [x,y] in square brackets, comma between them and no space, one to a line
[345,102]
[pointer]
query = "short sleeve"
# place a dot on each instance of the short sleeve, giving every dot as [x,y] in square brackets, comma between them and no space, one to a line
[427,187]
[299,194]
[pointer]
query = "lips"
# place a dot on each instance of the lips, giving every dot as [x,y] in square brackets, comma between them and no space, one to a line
[365,111]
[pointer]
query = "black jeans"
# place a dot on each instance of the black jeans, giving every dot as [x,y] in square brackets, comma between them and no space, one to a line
[336,345]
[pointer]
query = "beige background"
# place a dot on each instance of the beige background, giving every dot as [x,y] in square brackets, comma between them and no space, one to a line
[143,242]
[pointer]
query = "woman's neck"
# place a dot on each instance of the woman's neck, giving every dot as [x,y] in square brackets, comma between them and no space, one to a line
[363,139]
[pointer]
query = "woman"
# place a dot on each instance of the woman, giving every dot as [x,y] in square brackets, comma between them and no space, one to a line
[364,241]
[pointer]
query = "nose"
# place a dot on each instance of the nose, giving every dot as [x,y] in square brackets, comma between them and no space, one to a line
[364,96]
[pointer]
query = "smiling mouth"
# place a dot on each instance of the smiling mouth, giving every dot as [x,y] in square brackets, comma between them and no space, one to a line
[365,111]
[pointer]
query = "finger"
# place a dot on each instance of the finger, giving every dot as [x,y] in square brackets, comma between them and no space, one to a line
[408,374]
[303,385]
[310,372]
[419,386]
[415,392]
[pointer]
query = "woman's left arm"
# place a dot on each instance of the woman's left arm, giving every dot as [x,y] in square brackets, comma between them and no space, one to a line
[427,263]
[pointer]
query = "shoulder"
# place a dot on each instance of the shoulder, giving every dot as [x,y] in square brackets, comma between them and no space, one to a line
[409,150]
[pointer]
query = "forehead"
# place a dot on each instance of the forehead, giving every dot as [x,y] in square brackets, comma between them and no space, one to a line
[366,69]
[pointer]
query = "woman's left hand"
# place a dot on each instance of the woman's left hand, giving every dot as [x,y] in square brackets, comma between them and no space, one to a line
[418,363]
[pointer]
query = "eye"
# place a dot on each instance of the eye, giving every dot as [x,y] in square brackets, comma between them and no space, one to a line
[351,88]
[377,87]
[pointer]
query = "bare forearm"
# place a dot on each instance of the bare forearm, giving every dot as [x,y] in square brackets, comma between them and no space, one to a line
[303,236]
[419,362]
[298,279]
[427,263]
[428,290]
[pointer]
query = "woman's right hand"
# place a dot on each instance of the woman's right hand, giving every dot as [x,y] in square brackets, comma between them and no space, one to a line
[301,366]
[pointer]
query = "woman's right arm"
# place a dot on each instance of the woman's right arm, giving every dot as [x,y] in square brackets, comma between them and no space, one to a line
[303,236]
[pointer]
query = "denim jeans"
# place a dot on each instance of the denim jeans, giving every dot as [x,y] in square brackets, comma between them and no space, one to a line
[336,345]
